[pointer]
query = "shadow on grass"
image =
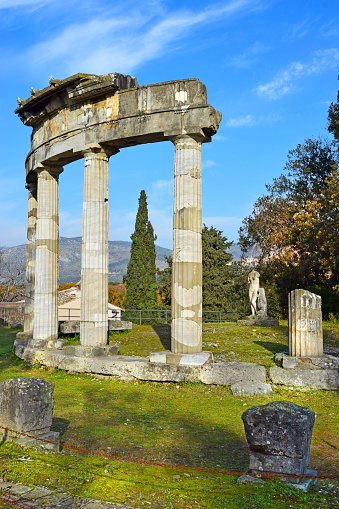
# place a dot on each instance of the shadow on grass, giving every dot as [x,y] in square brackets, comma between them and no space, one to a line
[60,425]
[163,331]
[272,347]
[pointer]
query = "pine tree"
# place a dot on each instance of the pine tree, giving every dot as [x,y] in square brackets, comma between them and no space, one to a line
[215,259]
[141,271]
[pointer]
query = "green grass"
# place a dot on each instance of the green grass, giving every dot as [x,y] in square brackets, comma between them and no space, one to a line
[182,424]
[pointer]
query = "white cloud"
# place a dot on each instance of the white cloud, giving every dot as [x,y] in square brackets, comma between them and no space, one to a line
[124,41]
[286,81]
[252,121]
[7,4]
[242,121]
[220,137]
[208,163]
[248,57]
[331,28]
[163,186]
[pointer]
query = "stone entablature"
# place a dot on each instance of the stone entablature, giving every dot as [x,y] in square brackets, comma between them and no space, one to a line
[112,110]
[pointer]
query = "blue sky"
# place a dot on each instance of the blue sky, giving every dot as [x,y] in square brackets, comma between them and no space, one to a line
[270,67]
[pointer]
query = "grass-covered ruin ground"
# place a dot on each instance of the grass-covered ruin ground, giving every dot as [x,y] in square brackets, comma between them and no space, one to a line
[184,424]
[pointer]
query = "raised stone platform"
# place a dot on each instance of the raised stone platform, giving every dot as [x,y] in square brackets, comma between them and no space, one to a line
[80,360]
[166,367]
[313,372]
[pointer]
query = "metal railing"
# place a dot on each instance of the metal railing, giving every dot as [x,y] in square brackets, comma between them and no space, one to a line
[68,314]
[147,316]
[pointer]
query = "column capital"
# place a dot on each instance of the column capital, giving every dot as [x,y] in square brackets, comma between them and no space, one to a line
[96,150]
[53,169]
[197,137]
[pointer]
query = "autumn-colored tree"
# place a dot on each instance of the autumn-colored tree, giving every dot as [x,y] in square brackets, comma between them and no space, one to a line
[296,225]
[66,286]
[117,294]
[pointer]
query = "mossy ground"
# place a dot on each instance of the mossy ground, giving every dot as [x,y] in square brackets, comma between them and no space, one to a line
[182,424]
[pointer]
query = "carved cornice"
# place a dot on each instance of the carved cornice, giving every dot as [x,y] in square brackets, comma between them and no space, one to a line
[65,92]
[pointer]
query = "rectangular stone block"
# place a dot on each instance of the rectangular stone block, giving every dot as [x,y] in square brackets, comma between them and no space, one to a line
[279,437]
[305,333]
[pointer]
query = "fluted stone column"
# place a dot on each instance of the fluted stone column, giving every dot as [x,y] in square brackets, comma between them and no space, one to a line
[30,259]
[47,251]
[94,255]
[305,331]
[187,250]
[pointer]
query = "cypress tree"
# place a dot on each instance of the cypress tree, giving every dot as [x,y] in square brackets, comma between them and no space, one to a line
[141,270]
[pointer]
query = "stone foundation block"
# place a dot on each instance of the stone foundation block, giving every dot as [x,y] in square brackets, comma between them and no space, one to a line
[229,373]
[279,437]
[312,378]
[287,362]
[119,325]
[251,389]
[26,406]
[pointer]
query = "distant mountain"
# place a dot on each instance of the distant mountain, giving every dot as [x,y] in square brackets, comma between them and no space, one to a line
[119,255]
[70,258]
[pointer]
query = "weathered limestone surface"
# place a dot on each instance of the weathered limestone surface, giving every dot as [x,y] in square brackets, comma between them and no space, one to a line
[94,254]
[186,334]
[30,259]
[128,368]
[251,389]
[47,251]
[315,379]
[26,405]
[279,437]
[114,111]
[305,333]
[287,362]
[228,373]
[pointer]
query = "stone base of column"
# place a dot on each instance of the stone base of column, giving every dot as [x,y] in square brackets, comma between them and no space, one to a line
[180,359]
[23,336]
[46,344]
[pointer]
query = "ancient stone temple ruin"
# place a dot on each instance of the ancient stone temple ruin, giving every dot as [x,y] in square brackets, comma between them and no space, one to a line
[93,117]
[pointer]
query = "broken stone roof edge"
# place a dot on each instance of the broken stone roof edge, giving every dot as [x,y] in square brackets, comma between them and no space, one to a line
[38,95]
